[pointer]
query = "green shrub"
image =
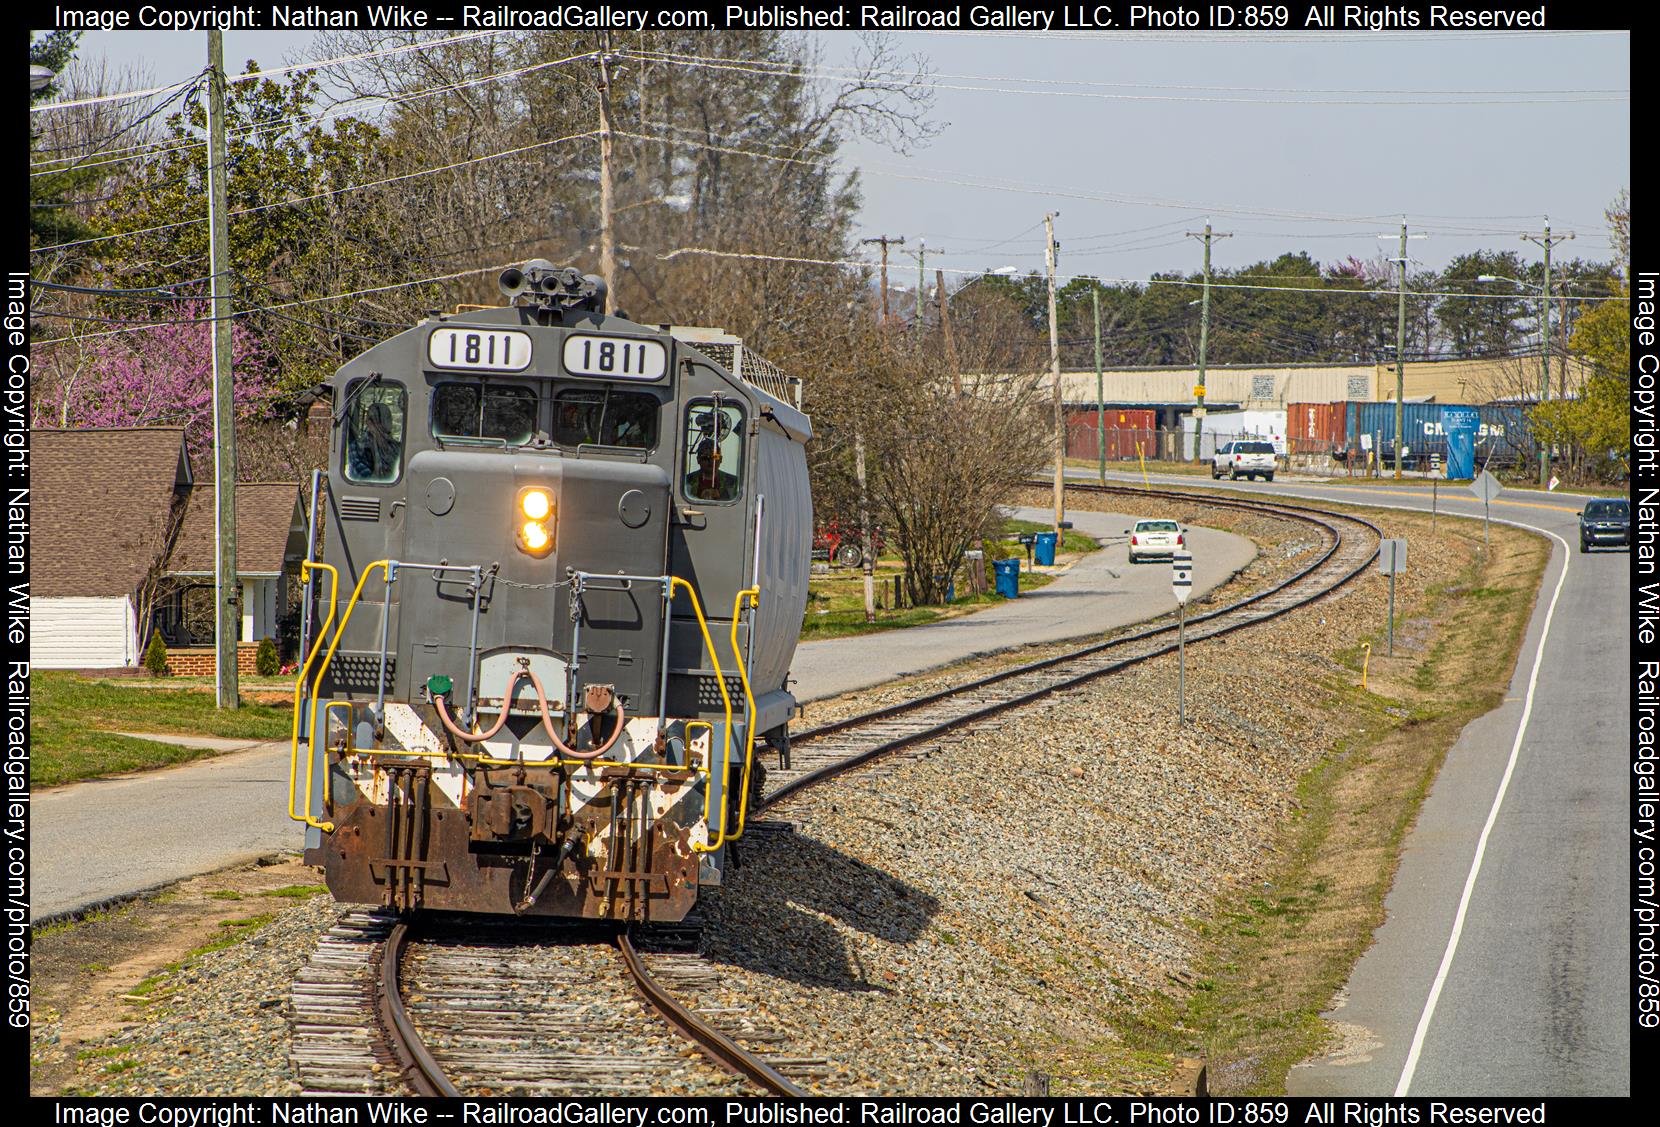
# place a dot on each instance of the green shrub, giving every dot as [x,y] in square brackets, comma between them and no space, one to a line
[155,655]
[266,661]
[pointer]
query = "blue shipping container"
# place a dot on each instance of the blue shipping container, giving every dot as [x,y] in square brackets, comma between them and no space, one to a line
[1503,436]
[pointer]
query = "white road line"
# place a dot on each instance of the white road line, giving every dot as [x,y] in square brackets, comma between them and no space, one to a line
[1411,1065]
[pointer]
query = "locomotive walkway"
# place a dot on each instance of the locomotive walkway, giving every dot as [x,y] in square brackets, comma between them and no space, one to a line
[108,839]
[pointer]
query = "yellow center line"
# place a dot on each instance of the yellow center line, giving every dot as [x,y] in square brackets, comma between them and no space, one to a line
[1450,497]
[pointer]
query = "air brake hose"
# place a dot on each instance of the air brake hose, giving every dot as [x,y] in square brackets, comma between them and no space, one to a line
[480,737]
[547,720]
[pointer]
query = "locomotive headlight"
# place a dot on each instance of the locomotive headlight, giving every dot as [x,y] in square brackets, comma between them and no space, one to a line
[535,504]
[535,531]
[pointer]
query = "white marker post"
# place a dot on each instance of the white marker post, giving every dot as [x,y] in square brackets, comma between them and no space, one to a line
[1391,561]
[1181,585]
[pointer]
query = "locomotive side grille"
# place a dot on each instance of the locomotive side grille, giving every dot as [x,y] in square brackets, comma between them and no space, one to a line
[355,673]
[360,508]
[708,693]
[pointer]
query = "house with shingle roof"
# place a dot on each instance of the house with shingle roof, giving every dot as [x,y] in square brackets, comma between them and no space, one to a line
[270,543]
[123,540]
[105,504]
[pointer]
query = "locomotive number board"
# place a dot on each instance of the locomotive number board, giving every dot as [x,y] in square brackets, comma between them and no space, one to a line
[616,358]
[486,350]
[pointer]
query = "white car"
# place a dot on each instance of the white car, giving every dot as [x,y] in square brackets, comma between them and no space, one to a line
[1151,538]
[1244,459]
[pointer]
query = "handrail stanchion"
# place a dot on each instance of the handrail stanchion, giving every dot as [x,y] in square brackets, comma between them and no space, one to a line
[753,595]
[726,701]
[300,696]
[317,686]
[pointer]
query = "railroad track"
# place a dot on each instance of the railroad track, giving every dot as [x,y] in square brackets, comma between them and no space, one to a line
[390,1007]
[492,1010]
[1349,545]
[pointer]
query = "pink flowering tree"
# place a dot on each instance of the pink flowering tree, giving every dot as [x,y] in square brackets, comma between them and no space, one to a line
[161,376]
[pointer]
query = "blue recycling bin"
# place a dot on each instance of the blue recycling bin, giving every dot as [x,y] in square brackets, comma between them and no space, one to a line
[1007,577]
[1044,548]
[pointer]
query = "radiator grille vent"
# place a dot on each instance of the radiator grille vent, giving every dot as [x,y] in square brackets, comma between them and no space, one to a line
[360,508]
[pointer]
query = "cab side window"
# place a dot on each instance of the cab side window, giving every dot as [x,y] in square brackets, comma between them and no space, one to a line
[374,432]
[714,450]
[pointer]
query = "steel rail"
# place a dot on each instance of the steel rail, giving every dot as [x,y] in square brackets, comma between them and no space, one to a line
[425,1076]
[884,747]
[1293,511]
[716,1045]
[420,1070]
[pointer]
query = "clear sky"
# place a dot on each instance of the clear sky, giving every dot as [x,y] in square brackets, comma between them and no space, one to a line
[1136,138]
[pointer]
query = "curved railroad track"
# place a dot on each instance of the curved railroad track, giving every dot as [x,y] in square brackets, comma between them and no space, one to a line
[388,1005]
[831,749]
[354,1030]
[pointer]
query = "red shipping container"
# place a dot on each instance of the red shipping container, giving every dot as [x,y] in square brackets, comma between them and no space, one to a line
[1316,428]
[1124,427]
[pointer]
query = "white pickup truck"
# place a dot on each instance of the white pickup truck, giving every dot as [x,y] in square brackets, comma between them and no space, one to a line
[1244,459]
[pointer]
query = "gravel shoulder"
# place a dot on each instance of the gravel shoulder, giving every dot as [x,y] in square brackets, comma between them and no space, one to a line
[1069,892]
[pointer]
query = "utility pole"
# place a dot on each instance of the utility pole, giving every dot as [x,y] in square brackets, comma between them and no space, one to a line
[921,284]
[885,241]
[945,327]
[1400,381]
[227,617]
[867,542]
[1547,241]
[607,203]
[1400,356]
[1204,340]
[1100,387]
[1050,249]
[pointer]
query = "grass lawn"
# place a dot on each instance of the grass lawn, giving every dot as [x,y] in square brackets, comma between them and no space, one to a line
[1153,467]
[72,716]
[836,602]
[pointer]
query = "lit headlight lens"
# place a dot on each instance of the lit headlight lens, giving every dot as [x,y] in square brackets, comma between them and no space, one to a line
[536,504]
[536,522]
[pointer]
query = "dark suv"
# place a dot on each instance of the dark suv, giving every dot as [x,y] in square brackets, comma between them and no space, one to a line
[1605,522]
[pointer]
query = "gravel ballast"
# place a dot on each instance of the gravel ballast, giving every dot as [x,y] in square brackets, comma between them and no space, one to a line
[947,922]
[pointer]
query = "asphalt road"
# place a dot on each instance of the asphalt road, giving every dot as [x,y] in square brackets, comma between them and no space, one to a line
[1503,964]
[106,839]
[1102,591]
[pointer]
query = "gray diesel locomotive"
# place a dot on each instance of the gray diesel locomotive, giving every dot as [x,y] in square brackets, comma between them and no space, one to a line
[563,566]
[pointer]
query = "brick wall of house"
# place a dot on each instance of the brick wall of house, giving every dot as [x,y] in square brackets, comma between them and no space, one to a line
[200,661]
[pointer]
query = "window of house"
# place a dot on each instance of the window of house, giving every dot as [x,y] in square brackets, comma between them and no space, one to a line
[495,412]
[374,431]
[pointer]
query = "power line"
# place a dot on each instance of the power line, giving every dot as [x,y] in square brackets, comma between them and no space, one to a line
[788,68]
[791,70]
[324,195]
[386,101]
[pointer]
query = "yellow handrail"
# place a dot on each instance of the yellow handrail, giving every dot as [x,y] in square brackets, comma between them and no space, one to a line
[753,594]
[486,760]
[726,700]
[317,685]
[299,686]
